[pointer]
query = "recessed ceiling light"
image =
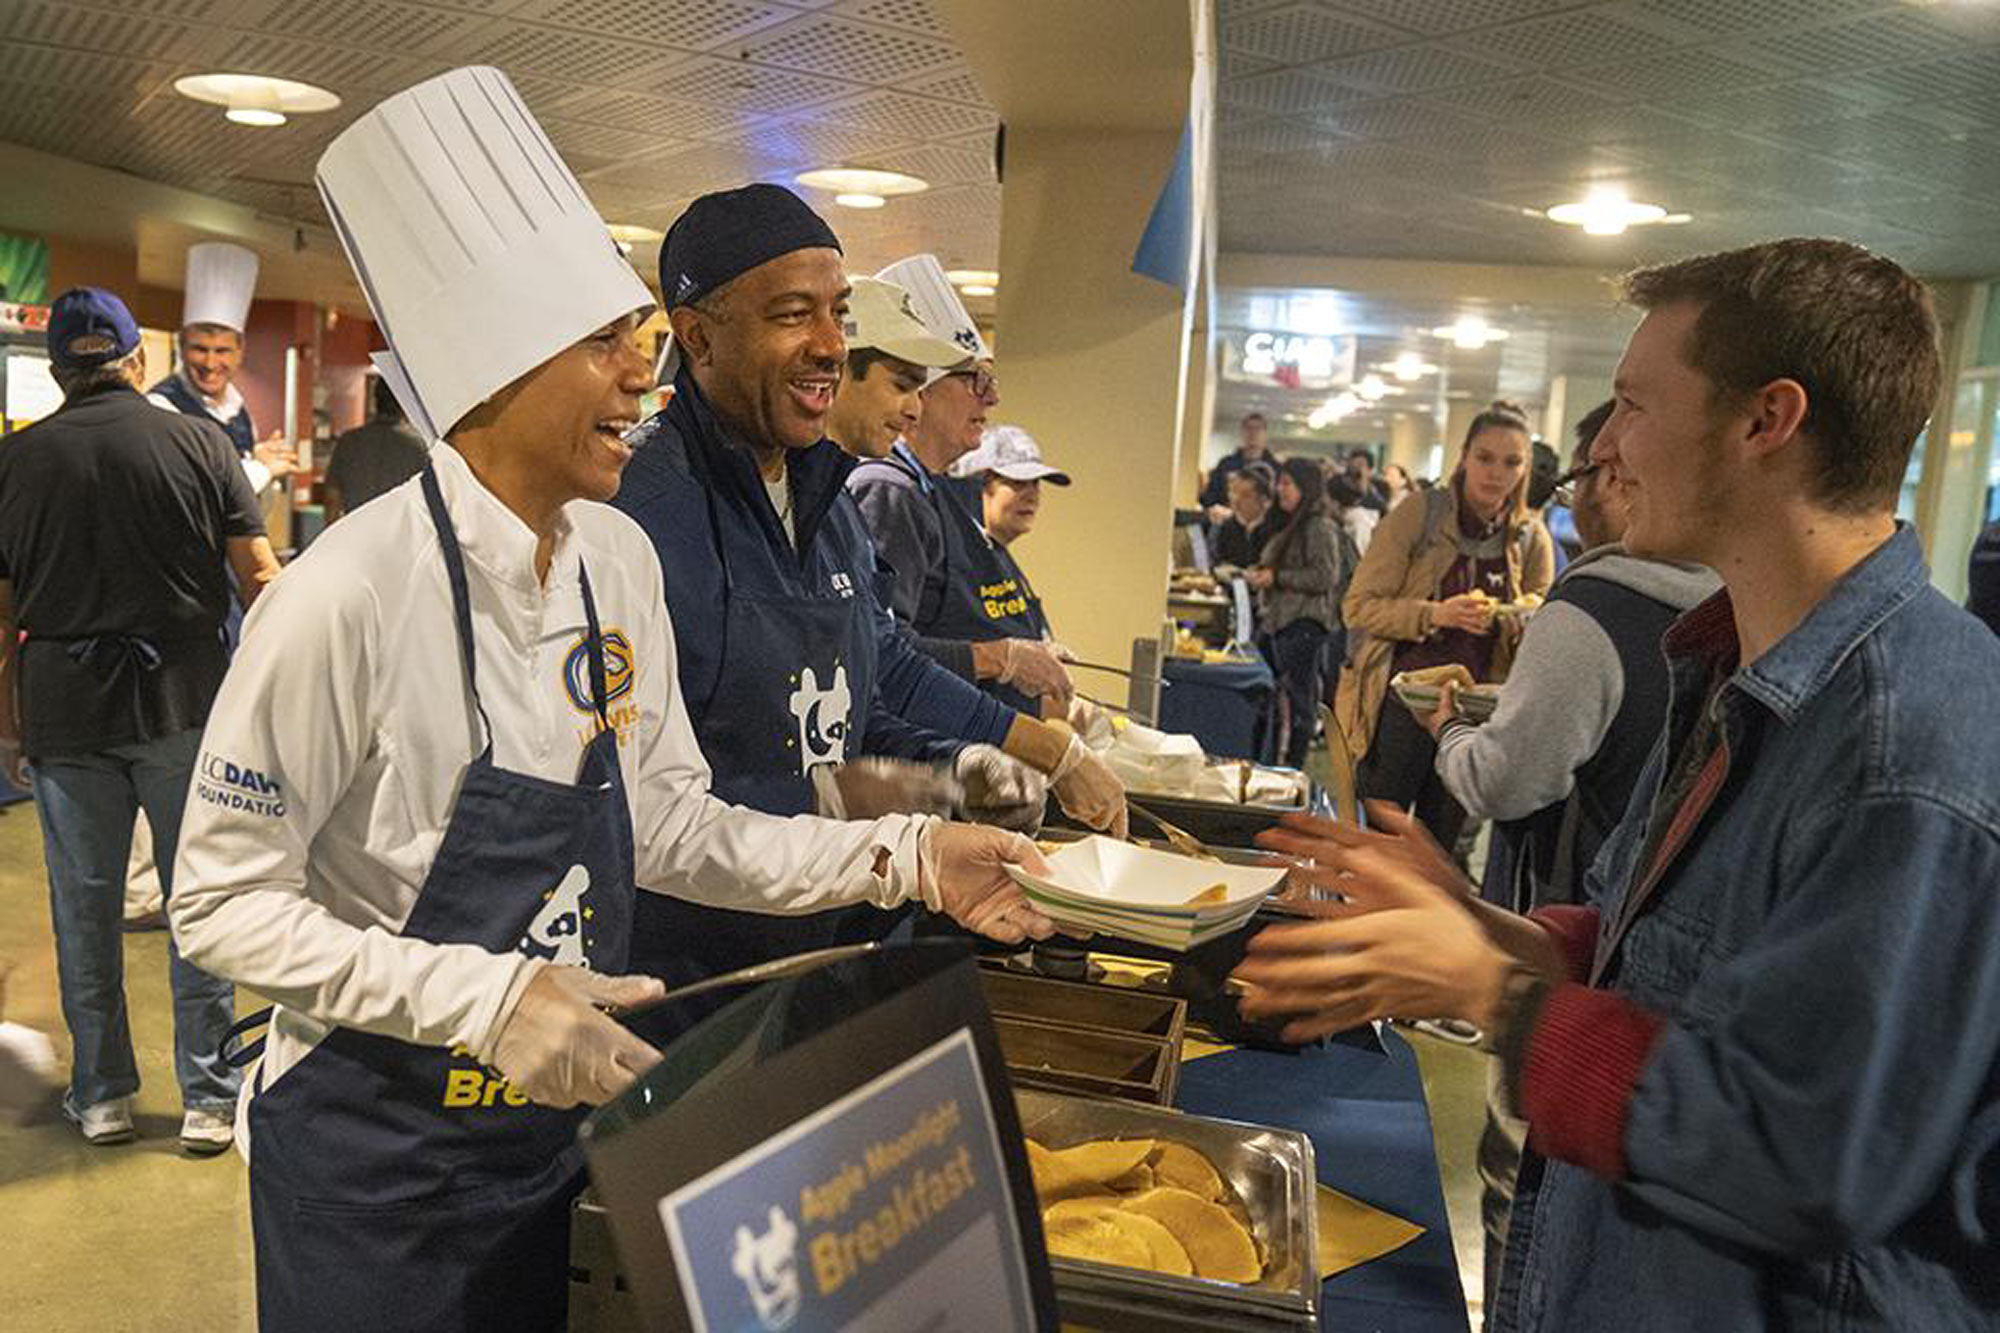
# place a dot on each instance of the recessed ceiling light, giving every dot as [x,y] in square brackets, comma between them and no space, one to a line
[1470,332]
[1371,388]
[972,277]
[1409,367]
[859,181]
[1606,211]
[856,199]
[979,289]
[254,99]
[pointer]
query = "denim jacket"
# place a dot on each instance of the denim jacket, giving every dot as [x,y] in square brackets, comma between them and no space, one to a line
[1814,1140]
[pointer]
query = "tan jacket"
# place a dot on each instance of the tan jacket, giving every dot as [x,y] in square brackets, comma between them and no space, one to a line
[1387,604]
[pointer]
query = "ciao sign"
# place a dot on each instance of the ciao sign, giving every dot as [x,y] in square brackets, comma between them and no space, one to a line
[1297,360]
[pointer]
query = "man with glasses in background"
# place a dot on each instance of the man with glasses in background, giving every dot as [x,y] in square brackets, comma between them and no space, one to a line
[925,523]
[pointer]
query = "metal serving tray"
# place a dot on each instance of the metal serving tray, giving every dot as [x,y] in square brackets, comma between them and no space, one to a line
[1048,1055]
[1273,1175]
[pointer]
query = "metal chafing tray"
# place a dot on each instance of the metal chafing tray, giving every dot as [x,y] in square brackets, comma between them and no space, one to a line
[1272,1172]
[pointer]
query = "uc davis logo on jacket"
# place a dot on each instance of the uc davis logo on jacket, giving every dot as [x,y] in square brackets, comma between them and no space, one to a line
[821,718]
[619,673]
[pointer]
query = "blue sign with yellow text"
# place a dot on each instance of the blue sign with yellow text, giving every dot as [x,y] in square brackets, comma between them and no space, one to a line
[889,1209]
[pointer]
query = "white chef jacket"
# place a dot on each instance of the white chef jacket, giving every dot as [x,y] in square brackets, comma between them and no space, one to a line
[334,752]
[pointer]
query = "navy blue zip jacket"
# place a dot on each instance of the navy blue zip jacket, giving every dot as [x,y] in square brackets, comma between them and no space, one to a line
[683,459]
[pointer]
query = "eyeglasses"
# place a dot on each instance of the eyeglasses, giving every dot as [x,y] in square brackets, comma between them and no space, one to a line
[1565,487]
[984,386]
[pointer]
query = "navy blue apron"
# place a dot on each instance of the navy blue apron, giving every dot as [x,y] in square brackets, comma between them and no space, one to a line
[985,596]
[241,431]
[243,434]
[769,720]
[396,1186]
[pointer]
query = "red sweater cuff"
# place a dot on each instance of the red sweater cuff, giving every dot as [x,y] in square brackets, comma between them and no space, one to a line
[1574,930]
[1583,1062]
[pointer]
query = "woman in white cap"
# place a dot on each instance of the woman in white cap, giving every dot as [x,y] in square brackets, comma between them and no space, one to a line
[450,746]
[1009,471]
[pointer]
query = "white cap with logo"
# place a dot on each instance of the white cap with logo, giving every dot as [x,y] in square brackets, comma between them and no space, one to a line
[221,280]
[1012,453]
[882,316]
[479,252]
[937,305]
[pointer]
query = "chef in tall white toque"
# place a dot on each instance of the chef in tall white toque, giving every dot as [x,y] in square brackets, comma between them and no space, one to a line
[450,747]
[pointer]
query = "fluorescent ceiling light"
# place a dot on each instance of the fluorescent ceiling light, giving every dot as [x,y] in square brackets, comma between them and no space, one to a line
[858,181]
[972,277]
[1409,367]
[253,99]
[1606,211]
[1470,332]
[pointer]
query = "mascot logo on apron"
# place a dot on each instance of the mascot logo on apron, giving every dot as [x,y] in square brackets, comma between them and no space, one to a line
[558,933]
[821,716]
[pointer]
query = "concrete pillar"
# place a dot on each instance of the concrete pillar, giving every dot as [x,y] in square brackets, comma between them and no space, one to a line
[1411,435]
[1094,359]
[1092,370]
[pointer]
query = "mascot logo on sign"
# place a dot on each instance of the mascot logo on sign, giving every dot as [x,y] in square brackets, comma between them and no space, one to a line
[821,716]
[768,1266]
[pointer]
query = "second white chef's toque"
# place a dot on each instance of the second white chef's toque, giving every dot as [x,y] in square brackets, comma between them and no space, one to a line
[221,280]
[479,253]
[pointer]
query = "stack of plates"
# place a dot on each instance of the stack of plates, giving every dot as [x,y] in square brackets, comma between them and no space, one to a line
[1139,893]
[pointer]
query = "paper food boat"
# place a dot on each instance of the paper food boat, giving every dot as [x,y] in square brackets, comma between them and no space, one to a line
[1140,893]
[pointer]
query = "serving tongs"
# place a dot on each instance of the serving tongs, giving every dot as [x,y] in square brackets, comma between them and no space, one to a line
[775,970]
[1179,838]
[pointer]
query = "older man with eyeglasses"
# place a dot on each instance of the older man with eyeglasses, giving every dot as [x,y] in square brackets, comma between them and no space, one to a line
[927,524]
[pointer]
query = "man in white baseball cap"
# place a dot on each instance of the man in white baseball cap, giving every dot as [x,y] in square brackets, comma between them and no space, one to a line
[891,355]
[389,833]
[929,533]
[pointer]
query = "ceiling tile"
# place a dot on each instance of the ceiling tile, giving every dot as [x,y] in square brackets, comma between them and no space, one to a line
[1676,76]
[1441,16]
[1411,69]
[1288,91]
[577,57]
[906,115]
[840,48]
[1578,37]
[1301,34]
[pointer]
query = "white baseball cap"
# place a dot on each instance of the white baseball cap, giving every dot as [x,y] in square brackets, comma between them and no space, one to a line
[1011,452]
[937,305]
[480,255]
[881,315]
[221,280]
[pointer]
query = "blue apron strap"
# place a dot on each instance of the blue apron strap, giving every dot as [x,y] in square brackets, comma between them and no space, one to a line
[236,1052]
[461,599]
[600,693]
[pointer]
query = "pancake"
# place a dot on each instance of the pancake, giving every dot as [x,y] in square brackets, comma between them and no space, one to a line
[1217,1244]
[1093,1223]
[1182,1167]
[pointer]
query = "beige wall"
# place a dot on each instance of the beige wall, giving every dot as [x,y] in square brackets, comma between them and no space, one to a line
[1091,368]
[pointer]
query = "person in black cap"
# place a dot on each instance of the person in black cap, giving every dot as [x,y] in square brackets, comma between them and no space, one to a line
[119,522]
[789,661]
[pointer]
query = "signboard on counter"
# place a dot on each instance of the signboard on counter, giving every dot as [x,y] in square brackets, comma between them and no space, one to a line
[31,391]
[1293,360]
[893,1197]
[838,1150]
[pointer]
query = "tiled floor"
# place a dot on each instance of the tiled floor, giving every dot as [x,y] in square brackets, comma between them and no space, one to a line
[145,1239]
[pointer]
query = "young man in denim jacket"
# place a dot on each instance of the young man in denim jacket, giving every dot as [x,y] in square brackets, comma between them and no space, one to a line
[1759,1066]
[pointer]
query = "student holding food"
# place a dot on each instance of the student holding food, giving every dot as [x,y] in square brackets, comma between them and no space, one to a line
[1424,597]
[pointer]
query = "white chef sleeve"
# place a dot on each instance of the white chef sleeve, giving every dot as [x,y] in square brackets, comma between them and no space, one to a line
[292,726]
[694,846]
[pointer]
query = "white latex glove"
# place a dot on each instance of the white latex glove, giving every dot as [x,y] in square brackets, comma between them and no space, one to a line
[1000,789]
[1035,668]
[1088,790]
[871,788]
[961,872]
[559,1048]
[1091,722]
